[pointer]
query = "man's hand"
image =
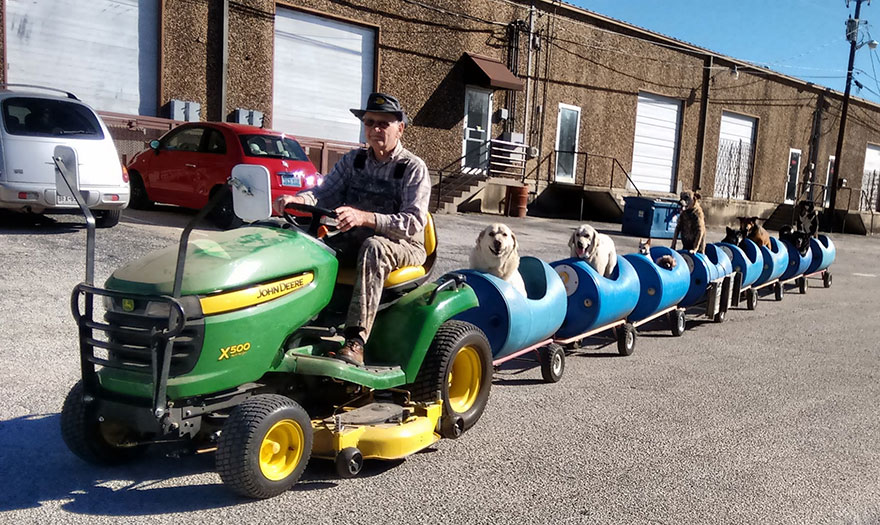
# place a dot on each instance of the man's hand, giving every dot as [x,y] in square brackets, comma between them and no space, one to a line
[348,218]
[281,202]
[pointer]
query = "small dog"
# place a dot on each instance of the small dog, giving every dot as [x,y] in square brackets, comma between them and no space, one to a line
[807,219]
[691,223]
[597,249]
[733,236]
[495,252]
[753,231]
[664,261]
[800,240]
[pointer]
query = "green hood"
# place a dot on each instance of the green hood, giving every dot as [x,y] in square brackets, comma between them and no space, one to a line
[227,260]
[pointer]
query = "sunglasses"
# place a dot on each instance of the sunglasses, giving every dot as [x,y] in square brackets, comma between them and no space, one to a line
[381,124]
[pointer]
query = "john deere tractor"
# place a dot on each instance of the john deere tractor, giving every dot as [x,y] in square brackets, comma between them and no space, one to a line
[221,344]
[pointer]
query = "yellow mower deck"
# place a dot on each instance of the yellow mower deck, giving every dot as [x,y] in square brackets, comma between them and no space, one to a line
[382,440]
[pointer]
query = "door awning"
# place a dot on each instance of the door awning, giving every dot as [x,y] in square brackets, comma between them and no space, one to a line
[489,72]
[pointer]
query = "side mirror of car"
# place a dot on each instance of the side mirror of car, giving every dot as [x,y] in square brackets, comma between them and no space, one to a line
[251,193]
[154,145]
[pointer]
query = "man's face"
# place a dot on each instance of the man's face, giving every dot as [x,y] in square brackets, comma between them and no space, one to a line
[383,130]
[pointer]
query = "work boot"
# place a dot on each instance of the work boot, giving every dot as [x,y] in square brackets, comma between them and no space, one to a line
[352,351]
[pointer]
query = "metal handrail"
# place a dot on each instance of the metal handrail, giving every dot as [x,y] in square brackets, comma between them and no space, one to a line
[587,155]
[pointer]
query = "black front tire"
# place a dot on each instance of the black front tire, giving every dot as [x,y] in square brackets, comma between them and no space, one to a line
[677,322]
[138,198]
[460,352]
[264,446]
[626,339]
[107,218]
[99,443]
[552,362]
[751,299]
[349,462]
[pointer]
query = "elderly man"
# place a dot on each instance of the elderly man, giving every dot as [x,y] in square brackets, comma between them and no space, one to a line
[380,194]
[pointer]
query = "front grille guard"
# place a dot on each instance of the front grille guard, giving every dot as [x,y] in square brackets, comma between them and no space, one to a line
[161,341]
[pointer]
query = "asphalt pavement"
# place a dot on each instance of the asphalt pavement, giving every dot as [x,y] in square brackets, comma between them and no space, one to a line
[768,417]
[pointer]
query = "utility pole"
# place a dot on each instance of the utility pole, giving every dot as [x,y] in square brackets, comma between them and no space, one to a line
[852,34]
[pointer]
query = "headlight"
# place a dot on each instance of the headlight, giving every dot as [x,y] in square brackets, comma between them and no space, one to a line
[158,309]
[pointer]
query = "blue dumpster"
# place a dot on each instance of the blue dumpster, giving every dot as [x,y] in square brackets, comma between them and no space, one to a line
[646,217]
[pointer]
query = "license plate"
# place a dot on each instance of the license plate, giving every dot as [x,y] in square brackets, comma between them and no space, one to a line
[291,180]
[64,200]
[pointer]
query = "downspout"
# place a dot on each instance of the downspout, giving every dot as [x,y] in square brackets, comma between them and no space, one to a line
[701,128]
[225,58]
[527,126]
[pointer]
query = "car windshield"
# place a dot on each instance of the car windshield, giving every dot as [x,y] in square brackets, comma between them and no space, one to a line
[39,117]
[272,146]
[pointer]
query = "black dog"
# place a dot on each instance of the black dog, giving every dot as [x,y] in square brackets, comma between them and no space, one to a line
[807,219]
[798,239]
[733,236]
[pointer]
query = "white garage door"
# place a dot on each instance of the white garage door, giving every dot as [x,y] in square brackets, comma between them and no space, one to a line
[736,148]
[323,67]
[871,179]
[655,149]
[103,51]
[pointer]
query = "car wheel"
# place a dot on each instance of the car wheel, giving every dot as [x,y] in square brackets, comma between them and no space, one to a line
[224,216]
[139,199]
[107,218]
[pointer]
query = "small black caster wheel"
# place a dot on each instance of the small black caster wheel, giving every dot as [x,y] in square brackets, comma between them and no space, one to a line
[452,426]
[778,291]
[626,339]
[720,316]
[751,299]
[349,462]
[802,285]
[552,362]
[677,322]
[826,279]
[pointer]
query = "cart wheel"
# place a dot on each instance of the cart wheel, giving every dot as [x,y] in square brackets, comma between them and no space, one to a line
[349,462]
[451,427]
[826,279]
[751,299]
[99,443]
[677,322]
[458,365]
[626,339]
[264,446]
[778,291]
[802,285]
[552,362]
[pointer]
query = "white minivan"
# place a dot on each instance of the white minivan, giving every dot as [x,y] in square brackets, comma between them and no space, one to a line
[33,125]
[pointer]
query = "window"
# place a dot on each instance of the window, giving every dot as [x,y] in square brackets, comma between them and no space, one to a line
[567,133]
[214,141]
[791,178]
[187,139]
[38,117]
[272,146]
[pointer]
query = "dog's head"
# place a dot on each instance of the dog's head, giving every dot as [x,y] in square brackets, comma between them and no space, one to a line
[583,241]
[747,223]
[688,199]
[733,236]
[645,246]
[498,240]
[805,207]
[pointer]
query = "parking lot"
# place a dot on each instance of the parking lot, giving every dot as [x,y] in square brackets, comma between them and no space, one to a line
[769,417]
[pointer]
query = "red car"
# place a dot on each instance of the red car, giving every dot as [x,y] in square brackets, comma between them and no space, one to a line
[190,162]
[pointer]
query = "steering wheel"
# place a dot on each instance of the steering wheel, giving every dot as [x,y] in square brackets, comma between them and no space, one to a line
[316,211]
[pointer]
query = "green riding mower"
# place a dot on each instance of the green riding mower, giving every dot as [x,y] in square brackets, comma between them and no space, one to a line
[221,344]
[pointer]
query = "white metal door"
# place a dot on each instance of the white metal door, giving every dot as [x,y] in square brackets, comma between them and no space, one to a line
[475,145]
[826,201]
[870,179]
[791,177]
[655,148]
[322,68]
[568,125]
[104,51]
[736,147]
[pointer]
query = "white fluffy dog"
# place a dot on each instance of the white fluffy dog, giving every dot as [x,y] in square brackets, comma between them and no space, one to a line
[495,253]
[597,249]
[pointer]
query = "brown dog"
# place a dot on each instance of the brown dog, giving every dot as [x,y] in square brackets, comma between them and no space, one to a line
[691,223]
[753,231]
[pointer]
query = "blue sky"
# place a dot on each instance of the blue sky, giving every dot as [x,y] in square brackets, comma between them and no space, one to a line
[801,38]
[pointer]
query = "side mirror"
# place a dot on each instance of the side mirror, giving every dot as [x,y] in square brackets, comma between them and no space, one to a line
[251,193]
[154,145]
[68,158]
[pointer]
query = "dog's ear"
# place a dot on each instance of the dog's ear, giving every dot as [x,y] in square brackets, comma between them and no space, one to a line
[697,196]
[572,238]
[594,238]
[513,236]
[480,237]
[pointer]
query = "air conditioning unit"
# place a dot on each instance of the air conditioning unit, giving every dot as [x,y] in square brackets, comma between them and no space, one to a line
[185,110]
[250,117]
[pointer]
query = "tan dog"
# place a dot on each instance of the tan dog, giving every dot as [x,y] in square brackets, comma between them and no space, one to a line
[597,249]
[691,223]
[495,252]
[752,230]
